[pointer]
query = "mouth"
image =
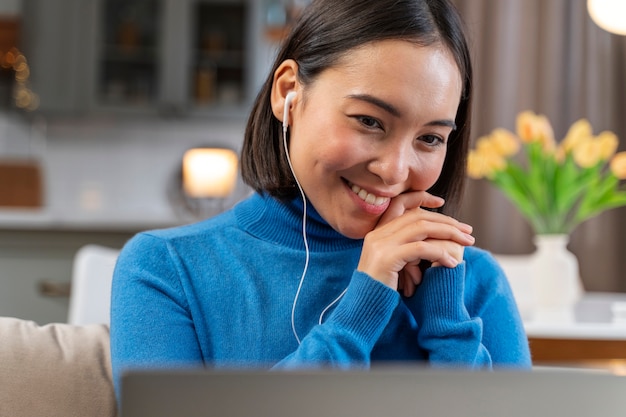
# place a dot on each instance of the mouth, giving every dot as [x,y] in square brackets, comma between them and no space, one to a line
[368,197]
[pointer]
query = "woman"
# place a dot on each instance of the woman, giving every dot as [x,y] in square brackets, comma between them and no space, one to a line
[344,256]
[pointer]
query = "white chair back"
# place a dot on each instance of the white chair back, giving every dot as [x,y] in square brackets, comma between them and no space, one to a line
[92,274]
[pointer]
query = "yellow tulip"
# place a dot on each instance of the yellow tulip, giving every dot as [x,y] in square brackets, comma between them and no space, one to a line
[618,165]
[474,165]
[483,144]
[484,163]
[608,143]
[525,126]
[504,142]
[577,133]
[587,153]
[535,128]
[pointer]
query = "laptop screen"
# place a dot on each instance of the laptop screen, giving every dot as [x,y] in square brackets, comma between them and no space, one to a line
[375,393]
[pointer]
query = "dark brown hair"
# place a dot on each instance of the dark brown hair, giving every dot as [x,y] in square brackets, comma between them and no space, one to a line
[326,32]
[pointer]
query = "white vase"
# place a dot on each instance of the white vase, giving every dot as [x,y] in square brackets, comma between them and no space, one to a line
[556,282]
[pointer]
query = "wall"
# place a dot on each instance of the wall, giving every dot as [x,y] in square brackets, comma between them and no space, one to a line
[10,7]
[113,170]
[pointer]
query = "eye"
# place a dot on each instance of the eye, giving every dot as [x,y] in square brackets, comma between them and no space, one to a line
[369,122]
[432,140]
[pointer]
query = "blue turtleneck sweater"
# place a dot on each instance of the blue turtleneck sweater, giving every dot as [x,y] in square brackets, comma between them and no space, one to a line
[220,293]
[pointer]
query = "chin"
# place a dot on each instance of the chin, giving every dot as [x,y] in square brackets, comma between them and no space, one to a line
[354,235]
[355,232]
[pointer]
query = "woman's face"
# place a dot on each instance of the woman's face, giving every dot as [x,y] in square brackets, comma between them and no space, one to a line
[372,127]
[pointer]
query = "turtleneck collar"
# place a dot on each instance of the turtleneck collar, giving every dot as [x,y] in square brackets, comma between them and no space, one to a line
[281,222]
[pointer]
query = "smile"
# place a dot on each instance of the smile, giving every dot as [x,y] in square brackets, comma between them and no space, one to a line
[369,198]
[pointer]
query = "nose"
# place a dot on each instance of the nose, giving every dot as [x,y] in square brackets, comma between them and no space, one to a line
[393,162]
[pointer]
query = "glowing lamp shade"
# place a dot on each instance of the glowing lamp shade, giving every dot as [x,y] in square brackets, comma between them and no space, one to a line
[209,172]
[610,15]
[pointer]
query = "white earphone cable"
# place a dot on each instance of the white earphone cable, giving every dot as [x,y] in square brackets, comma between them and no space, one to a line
[304,237]
[331,304]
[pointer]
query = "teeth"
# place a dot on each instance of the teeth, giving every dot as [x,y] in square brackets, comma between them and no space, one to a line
[368,197]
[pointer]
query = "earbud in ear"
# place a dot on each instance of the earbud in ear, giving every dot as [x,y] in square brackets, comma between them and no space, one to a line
[290,96]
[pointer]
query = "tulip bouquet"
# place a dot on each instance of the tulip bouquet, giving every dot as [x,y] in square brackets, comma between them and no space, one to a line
[554,186]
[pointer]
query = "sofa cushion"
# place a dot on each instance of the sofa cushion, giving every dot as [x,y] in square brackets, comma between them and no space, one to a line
[55,370]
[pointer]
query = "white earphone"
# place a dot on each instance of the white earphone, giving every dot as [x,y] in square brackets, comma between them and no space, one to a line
[290,96]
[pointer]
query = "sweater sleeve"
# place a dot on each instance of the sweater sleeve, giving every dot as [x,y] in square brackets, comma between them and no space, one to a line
[467,316]
[150,323]
[347,337]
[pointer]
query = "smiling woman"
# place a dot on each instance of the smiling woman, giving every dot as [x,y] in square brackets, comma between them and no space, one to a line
[355,129]
[348,253]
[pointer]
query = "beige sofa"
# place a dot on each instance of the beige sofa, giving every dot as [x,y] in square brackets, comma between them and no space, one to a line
[55,370]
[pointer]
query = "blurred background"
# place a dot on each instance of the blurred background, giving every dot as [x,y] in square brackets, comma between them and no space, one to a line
[550,57]
[101,99]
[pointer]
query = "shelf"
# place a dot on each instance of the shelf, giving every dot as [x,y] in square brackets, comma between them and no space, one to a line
[116,53]
[231,59]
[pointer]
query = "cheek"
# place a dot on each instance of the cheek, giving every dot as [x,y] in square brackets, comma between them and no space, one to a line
[332,148]
[341,149]
[428,171]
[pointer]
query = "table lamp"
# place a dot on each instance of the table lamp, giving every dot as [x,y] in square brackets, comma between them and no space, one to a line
[209,176]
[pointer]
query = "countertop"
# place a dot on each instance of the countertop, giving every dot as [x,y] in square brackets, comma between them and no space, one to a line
[597,316]
[77,220]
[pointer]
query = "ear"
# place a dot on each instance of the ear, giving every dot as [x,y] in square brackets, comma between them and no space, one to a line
[285,81]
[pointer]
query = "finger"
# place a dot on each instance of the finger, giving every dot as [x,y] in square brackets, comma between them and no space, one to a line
[418,214]
[412,277]
[442,218]
[426,229]
[414,216]
[411,253]
[452,248]
[415,199]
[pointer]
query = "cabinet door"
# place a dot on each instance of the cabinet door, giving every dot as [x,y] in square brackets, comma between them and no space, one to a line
[54,38]
[129,50]
[21,271]
[218,59]
[207,65]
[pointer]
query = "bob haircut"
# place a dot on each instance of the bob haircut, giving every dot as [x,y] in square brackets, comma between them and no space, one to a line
[328,30]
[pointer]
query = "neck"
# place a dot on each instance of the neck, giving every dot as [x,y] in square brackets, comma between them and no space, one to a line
[281,222]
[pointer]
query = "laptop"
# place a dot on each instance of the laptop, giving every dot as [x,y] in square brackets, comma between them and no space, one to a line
[380,392]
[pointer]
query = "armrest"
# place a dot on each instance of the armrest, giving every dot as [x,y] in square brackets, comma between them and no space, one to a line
[55,370]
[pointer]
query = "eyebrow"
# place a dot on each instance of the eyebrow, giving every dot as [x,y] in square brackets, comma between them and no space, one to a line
[445,123]
[393,110]
[389,108]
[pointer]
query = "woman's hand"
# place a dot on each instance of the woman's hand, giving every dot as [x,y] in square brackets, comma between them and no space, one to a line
[408,234]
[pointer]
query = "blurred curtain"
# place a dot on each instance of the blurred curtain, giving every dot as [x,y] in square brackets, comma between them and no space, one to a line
[549,57]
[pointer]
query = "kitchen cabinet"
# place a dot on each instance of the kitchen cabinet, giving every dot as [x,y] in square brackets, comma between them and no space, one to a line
[167,57]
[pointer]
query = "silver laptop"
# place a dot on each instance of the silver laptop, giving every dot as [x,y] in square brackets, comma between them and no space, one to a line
[376,393]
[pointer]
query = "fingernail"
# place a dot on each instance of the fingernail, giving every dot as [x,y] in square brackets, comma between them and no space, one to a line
[453,261]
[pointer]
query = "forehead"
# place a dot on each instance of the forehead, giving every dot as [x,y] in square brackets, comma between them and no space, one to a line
[399,71]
